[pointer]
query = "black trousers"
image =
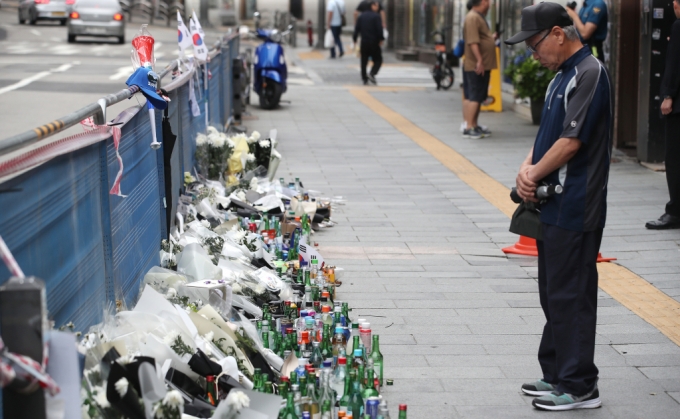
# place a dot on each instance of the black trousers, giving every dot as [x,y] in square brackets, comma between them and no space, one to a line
[374,51]
[673,163]
[567,286]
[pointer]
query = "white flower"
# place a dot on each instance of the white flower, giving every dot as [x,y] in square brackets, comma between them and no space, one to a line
[169,339]
[85,411]
[96,369]
[209,336]
[205,223]
[122,386]
[238,400]
[201,139]
[255,136]
[230,143]
[241,195]
[100,398]
[212,130]
[173,398]
[264,143]
[250,157]
[253,183]
[172,293]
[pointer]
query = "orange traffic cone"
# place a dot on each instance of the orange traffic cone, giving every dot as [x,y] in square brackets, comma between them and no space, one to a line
[527,246]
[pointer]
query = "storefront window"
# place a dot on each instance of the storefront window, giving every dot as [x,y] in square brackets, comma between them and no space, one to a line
[430,15]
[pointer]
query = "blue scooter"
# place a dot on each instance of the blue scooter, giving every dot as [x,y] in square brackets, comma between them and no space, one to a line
[269,67]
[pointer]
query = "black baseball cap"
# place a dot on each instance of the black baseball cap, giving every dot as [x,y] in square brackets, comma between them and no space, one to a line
[540,17]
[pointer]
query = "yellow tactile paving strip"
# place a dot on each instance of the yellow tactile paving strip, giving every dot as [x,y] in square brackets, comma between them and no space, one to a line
[311,55]
[632,291]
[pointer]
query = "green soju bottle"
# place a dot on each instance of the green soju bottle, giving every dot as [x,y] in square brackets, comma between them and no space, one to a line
[290,408]
[377,358]
[355,404]
[402,411]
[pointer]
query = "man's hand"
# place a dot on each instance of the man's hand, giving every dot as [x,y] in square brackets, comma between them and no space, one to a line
[381,43]
[525,187]
[479,68]
[667,106]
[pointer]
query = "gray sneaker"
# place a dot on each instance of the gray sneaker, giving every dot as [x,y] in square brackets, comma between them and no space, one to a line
[538,388]
[564,401]
[484,131]
[472,133]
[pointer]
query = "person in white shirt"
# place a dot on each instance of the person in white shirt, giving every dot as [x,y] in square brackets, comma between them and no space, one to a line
[336,17]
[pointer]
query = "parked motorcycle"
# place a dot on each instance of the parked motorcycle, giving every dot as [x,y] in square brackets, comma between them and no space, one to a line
[269,67]
[442,73]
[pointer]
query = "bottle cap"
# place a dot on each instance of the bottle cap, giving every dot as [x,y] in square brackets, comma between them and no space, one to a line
[358,352]
[365,325]
[355,325]
[338,330]
[309,321]
[327,364]
[302,362]
[295,387]
[305,336]
[325,294]
[289,330]
[342,360]
[315,261]
[303,313]
[316,344]
[325,309]
[402,407]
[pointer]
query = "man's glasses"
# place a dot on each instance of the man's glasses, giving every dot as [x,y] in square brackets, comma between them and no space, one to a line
[532,49]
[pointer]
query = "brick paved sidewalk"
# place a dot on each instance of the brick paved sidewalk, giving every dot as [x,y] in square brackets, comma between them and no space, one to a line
[459,321]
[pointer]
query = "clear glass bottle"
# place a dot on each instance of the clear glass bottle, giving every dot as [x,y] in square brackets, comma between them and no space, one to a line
[297,400]
[338,341]
[317,358]
[312,401]
[339,377]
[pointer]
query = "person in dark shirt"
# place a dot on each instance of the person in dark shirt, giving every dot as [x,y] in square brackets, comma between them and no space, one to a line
[670,109]
[365,6]
[572,149]
[369,26]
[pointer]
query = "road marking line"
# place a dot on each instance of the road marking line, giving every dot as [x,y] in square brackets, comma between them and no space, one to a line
[35,32]
[61,68]
[629,289]
[24,82]
[123,72]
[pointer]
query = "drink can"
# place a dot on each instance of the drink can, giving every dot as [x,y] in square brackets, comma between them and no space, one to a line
[372,407]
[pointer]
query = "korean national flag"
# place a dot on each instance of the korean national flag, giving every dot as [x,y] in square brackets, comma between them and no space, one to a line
[183,36]
[197,37]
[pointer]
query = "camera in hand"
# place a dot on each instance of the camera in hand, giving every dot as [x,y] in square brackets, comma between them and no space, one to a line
[543,192]
[572,5]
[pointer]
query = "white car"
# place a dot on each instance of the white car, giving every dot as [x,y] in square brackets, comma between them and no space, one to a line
[35,10]
[101,18]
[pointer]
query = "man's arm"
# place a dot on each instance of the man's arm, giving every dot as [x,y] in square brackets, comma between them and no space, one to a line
[559,154]
[586,30]
[382,17]
[378,28]
[479,68]
[330,16]
[525,187]
[357,28]
[670,84]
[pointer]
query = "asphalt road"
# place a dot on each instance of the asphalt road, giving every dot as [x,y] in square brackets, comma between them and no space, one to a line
[42,77]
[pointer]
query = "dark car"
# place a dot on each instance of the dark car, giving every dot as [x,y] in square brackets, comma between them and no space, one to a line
[102,18]
[35,10]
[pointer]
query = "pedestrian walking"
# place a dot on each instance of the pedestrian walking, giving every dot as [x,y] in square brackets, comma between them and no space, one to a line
[591,23]
[572,149]
[670,109]
[365,6]
[369,27]
[480,59]
[336,17]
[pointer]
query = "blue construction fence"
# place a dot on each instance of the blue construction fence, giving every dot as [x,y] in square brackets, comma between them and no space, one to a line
[92,248]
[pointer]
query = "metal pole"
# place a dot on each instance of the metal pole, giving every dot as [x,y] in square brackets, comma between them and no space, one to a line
[321,24]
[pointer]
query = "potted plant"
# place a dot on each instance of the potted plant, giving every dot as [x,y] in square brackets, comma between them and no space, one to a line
[530,80]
